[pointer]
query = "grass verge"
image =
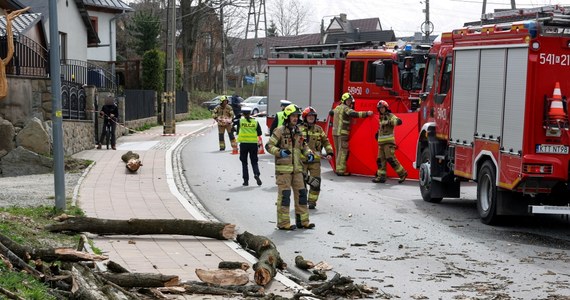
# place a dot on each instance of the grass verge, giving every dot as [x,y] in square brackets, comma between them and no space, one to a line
[25,226]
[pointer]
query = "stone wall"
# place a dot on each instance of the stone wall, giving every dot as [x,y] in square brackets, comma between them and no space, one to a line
[26,136]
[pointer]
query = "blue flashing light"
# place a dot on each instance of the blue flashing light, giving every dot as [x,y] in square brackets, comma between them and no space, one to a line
[408,47]
[532,28]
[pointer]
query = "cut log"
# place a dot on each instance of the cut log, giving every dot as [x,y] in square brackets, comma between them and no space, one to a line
[301,263]
[115,267]
[223,277]
[9,294]
[148,280]
[89,287]
[233,265]
[216,230]
[133,165]
[236,288]
[267,254]
[129,155]
[132,160]
[49,254]
[19,263]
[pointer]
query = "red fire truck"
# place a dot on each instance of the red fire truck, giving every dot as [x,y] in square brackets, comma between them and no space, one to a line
[318,75]
[494,111]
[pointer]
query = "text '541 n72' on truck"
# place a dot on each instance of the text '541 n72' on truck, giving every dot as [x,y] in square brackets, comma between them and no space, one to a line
[494,111]
[318,75]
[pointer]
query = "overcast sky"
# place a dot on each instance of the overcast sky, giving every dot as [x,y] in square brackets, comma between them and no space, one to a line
[406,16]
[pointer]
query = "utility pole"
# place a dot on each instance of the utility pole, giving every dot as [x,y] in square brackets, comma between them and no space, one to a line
[427,25]
[484,11]
[513,4]
[169,96]
[224,92]
[56,117]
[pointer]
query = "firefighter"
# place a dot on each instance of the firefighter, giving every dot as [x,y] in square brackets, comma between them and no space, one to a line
[223,114]
[278,121]
[110,114]
[248,132]
[387,144]
[289,147]
[317,140]
[342,115]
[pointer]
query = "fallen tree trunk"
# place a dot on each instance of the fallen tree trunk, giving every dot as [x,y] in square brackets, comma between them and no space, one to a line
[148,280]
[216,230]
[19,263]
[233,265]
[114,267]
[132,160]
[49,254]
[235,288]
[267,254]
[223,277]
[87,286]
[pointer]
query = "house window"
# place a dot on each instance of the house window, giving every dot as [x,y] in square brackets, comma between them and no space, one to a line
[63,45]
[95,23]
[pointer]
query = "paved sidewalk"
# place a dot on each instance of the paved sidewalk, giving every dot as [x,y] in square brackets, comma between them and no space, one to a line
[109,191]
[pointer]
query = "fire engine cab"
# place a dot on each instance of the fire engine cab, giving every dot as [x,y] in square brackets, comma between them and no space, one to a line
[318,75]
[494,111]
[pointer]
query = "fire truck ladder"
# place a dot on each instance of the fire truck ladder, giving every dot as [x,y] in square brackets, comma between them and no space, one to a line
[550,15]
[319,50]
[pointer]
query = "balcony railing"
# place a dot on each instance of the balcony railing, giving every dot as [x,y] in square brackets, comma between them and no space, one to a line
[29,59]
[87,73]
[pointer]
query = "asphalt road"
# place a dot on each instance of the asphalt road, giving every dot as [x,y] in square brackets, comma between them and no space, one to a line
[386,236]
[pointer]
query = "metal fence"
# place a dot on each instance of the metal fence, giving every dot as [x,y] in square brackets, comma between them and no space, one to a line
[181,102]
[30,58]
[139,104]
[73,101]
[87,73]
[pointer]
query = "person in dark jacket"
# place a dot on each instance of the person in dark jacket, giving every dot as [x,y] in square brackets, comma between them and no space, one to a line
[110,114]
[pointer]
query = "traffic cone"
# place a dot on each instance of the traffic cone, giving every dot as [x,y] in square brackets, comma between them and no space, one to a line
[235,150]
[260,149]
[556,110]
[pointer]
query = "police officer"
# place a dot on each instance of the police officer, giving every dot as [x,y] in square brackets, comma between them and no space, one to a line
[248,132]
[288,146]
[342,115]
[279,118]
[317,140]
[387,144]
[223,114]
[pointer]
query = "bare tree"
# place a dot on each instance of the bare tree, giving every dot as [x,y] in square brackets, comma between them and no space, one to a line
[289,16]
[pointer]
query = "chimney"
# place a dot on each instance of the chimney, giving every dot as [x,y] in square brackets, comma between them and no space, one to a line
[343,17]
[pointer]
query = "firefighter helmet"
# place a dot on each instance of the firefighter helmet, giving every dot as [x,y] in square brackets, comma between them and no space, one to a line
[291,109]
[382,103]
[224,98]
[346,96]
[309,111]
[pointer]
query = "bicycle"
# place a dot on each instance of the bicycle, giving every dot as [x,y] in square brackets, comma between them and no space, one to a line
[108,130]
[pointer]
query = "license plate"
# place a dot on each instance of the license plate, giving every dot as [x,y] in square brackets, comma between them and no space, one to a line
[553,149]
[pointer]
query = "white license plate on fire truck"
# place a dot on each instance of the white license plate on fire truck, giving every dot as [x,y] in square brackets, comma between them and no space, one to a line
[553,149]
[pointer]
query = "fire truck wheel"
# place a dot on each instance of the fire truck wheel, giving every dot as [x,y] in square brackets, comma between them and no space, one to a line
[487,193]
[425,178]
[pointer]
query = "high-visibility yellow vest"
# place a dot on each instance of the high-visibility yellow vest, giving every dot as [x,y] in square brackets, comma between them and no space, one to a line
[247,131]
[280,118]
